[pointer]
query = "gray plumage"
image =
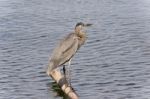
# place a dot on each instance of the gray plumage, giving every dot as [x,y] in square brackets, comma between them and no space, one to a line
[67,47]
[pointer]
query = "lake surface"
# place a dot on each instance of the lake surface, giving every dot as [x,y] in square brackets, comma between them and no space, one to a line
[113,64]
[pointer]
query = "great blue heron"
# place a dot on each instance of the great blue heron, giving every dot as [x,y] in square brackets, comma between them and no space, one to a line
[67,48]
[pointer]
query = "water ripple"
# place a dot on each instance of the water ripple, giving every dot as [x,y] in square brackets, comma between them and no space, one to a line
[113,63]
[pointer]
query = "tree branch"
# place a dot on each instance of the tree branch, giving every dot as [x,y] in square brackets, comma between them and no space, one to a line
[62,82]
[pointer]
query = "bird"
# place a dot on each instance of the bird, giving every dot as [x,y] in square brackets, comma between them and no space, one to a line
[67,48]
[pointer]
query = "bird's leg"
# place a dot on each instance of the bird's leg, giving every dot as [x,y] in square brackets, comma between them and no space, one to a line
[69,72]
[64,70]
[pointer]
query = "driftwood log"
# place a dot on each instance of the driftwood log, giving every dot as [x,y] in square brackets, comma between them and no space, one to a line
[62,82]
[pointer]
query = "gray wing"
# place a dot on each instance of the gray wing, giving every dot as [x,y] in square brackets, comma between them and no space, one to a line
[65,50]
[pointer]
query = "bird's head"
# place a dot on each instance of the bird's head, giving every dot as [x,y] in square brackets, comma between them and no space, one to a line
[80,27]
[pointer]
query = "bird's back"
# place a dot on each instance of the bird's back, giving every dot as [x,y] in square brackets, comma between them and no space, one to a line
[65,50]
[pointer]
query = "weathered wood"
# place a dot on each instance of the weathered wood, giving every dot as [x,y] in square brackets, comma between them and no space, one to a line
[62,82]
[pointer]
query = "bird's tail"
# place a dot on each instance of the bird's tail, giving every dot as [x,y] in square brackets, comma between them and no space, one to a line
[50,68]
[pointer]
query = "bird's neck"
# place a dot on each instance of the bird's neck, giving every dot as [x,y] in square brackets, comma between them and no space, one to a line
[80,33]
[82,37]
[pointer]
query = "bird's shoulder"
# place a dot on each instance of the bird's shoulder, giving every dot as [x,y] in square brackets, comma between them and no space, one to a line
[68,39]
[69,36]
[68,42]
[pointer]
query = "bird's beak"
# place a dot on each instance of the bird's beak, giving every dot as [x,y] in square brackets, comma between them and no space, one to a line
[87,25]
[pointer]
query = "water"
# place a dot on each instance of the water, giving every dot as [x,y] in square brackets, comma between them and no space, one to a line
[113,64]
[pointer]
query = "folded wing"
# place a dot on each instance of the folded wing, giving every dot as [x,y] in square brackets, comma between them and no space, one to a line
[65,50]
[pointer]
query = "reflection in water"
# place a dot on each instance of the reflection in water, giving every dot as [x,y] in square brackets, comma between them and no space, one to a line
[57,90]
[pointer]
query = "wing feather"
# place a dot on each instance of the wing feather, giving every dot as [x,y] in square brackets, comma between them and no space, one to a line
[65,50]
